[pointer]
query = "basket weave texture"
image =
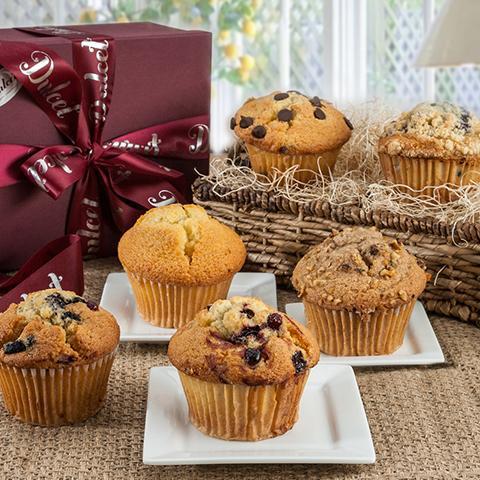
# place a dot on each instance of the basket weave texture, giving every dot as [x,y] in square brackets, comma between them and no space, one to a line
[277,233]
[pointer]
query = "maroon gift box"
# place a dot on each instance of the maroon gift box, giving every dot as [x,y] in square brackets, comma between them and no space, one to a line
[162,74]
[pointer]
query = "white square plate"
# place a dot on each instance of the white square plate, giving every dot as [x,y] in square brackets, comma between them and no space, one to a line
[420,346]
[332,427]
[117,298]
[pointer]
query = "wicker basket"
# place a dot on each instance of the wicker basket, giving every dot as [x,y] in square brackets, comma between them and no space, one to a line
[278,232]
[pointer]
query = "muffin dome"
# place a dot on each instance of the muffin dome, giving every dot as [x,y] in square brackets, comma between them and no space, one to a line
[243,341]
[433,130]
[359,270]
[54,328]
[181,245]
[291,123]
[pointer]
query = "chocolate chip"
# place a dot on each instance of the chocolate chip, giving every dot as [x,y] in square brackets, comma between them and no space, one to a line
[71,316]
[248,312]
[348,122]
[274,321]
[319,114]
[233,123]
[374,250]
[92,305]
[283,150]
[252,356]
[246,122]
[280,96]
[259,131]
[299,362]
[285,115]
[16,346]
[345,267]
[316,102]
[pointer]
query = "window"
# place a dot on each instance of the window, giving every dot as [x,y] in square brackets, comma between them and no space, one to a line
[344,50]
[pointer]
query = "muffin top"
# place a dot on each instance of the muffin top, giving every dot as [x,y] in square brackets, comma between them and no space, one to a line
[433,130]
[181,244]
[290,122]
[55,328]
[359,270]
[243,341]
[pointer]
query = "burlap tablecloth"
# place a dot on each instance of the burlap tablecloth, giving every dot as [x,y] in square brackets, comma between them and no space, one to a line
[425,421]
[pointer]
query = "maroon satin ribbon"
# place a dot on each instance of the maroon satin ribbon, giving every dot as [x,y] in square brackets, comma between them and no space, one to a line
[113,182]
[57,264]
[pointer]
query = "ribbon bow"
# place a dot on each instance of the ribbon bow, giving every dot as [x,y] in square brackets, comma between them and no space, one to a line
[113,181]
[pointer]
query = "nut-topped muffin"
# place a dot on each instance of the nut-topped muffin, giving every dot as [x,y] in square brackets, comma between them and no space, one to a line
[178,260]
[433,144]
[358,288]
[288,128]
[253,360]
[62,334]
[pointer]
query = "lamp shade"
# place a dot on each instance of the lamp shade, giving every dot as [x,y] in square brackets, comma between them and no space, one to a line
[454,38]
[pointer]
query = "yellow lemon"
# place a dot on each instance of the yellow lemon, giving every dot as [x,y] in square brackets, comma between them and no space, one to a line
[122,18]
[231,51]
[249,28]
[88,15]
[244,74]
[224,36]
[247,62]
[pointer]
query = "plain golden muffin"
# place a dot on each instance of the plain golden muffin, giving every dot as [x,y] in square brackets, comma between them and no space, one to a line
[61,333]
[178,260]
[431,145]
[358,288]
[252,360]
[284,129]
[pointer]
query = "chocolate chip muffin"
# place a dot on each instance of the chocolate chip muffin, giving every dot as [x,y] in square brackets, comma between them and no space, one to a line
[288,128]
[56,353]
[429,146]
[243,367]
[358,288]
[178,260]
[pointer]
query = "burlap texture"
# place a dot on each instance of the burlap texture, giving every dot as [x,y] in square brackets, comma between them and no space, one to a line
[425,421]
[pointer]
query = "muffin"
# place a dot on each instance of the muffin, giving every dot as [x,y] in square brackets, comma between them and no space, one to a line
[243,367]
[433,144]
[358,289]
[178,260]
[57,350]
[288,128]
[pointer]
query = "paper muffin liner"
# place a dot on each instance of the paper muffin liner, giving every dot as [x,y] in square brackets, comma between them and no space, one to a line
[263,162]
[342,332]
[56,396]
[417,173]
[171,306]
[242,412]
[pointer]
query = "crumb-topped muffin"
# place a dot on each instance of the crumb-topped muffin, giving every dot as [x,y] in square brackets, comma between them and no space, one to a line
[243,366]
[179,259]
[288,128]
[358,288]
[62,334]
[433,144]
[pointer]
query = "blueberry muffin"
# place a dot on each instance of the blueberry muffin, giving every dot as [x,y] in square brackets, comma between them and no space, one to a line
[243,367]
[433,144]
[178,260]
[56,353]
[288,128]
[358,288]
